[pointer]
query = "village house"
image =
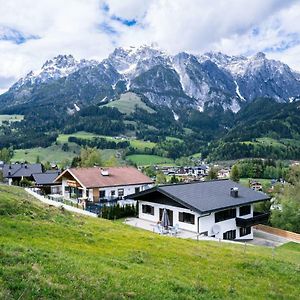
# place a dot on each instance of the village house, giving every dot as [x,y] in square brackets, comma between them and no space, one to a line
[220,208]
[14,173]
[101,185]
[44,182]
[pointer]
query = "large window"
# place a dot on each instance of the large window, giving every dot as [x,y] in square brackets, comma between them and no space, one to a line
[102,194]
[245,210]
[148,209]
[137,189]
[229,235]
[186,218]
[225,215]
[245,231]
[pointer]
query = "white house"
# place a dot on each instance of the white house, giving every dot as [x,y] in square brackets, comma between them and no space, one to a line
[218,208]
[101,185]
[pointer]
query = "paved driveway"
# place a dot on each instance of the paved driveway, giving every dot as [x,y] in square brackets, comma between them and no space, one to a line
[262,238]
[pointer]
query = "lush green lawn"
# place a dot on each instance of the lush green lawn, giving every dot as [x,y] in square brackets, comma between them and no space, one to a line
[11,118]
[145,159]
[127,103]
[46,253]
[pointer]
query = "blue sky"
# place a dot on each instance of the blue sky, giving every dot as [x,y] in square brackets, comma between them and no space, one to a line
[32,31]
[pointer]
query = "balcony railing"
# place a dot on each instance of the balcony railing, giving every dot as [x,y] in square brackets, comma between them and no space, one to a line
[257,218]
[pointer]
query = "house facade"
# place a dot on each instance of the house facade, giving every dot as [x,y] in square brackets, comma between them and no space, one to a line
[102,185]
[220,208]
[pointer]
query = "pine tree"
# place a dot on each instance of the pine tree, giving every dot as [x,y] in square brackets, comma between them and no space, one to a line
[235,174]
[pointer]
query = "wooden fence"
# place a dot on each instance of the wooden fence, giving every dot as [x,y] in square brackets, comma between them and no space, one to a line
[276,231]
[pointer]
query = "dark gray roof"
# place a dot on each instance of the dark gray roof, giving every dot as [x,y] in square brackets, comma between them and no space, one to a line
[207,196]
[19,170]
[45,178]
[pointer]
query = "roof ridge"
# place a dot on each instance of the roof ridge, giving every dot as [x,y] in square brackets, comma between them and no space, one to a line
[194,182]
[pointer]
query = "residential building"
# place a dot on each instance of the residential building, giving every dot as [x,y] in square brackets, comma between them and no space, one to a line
[220,208]
[98,185]
[14,173]
[45,182]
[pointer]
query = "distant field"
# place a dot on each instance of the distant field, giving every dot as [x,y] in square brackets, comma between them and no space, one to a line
[127,103]
[11,118]
[54,154]
[282,143]
[63,138]
[144,159]
[51,154]
[138,144]
[171,138]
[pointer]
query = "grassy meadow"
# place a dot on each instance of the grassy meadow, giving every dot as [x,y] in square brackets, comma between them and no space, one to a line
[138,144]
[147,159]
[48,253]
[128,102]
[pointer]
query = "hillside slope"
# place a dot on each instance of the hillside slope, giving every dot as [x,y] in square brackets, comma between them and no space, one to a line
[46,253]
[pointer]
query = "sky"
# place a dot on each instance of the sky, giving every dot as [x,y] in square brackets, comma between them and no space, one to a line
[32,31]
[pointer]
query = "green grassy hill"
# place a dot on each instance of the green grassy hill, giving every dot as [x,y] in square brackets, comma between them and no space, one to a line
[127,102]
[46,253]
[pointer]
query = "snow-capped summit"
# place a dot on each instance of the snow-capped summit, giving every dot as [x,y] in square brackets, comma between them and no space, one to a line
[184,79]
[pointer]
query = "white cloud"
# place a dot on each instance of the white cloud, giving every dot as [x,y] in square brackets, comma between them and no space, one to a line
[78,27]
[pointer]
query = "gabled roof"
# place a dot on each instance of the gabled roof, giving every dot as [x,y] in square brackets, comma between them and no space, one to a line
[117,176]
[19,170]
[45,178]
[206,196]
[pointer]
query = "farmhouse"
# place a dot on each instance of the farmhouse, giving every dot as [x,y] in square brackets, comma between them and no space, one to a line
[219,208]
[102,185]
[14,173]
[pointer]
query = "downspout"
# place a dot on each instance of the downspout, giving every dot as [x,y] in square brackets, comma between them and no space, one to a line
[198,227]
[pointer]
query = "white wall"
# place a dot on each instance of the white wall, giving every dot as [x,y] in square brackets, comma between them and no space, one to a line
[206,222]
[176,210]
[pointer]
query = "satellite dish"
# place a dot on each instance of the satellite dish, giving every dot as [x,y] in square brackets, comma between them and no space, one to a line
[216,229]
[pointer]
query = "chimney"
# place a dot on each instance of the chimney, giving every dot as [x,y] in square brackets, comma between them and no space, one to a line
[104,172]
[234,192]
[25,166]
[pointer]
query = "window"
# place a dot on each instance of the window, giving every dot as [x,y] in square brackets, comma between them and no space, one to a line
[148,209]
[102,194]
[186,218]
[113,193]
[137,189]
[245,210]
[229,235]
[67,189]
[245,231]
[120,192]
[225,215]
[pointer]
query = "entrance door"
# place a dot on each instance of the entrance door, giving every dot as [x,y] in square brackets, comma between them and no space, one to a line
[170,215]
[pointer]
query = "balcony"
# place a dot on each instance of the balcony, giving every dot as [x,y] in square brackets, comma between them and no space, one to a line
[257,218]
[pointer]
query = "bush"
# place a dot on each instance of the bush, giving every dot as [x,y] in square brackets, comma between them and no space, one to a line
[118,212]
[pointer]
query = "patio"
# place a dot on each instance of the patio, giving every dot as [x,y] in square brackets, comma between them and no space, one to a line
[150,226]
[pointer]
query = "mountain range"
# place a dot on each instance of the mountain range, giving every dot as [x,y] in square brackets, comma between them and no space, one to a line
[176,81]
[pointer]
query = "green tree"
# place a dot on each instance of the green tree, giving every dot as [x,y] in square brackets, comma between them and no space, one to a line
[212,174]
[235,174]
[6,155]
[174,179]
[160,178]
[38,159]
[288,217]
[90,157]
[111,162]
[1,176]
[293,175]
